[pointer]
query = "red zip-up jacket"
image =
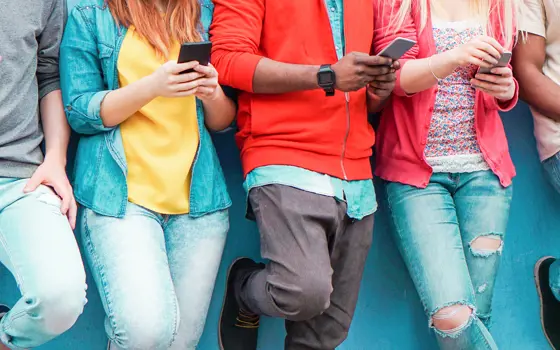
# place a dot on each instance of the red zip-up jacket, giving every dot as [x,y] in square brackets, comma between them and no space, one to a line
[405,121]
[329,135]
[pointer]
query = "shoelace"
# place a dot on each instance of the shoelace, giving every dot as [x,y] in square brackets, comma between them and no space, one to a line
[247,320]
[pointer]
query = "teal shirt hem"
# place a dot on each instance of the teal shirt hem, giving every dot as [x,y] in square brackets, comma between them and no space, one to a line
[358,195]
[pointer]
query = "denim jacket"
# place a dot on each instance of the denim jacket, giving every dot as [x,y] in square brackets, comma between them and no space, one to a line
[88,68]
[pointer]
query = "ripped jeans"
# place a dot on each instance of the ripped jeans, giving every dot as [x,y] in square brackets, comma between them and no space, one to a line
[450,237]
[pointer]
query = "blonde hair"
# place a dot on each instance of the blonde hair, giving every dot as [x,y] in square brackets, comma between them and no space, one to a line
[507,12]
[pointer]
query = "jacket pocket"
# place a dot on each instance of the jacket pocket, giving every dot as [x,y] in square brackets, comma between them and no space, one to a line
[106,58]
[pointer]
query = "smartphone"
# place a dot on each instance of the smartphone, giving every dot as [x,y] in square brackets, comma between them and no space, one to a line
[502,62]
[199,52]
[397,48]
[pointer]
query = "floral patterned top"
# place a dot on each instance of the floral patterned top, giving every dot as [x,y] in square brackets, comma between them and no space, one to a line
[452,144]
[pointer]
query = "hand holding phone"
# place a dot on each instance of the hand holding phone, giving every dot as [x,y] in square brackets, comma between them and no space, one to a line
[497,81]
[357,69]
[482,51]
[167,80]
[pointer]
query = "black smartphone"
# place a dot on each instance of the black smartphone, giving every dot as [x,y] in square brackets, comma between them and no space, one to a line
[199,52]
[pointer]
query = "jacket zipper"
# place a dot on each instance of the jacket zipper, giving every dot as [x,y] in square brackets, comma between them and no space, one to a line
[347,102]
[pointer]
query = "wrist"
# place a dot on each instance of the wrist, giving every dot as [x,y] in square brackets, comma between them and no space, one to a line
[150,86]
[217,95]
[56,157]
[510,94]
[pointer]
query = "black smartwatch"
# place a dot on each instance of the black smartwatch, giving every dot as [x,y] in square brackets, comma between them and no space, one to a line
[326,79]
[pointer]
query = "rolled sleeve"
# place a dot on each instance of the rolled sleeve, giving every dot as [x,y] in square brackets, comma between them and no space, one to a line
[83,87]
[48,76]
[235,33]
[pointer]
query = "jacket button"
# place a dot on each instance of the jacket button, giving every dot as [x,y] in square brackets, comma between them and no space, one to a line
[69,108]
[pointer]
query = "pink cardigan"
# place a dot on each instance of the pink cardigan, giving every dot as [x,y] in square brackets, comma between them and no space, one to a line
[405,121]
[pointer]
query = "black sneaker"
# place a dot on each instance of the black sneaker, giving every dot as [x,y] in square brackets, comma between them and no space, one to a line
[238,329]
[550,306]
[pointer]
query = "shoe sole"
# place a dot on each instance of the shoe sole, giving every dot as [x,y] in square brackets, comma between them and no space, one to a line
[224,302]
[536,275]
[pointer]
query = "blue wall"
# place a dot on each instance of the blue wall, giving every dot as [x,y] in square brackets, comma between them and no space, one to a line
[389,315]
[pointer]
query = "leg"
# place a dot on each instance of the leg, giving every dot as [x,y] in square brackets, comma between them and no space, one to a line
[483,210]
[294,224]
[349,248]
[427,234]
[38,246]
[194,249]
[128,259]
[547,272]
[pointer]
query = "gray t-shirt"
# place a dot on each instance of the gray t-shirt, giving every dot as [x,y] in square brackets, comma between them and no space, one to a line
[30,35]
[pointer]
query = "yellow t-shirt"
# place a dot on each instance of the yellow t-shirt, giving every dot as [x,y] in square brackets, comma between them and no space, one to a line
[161,139]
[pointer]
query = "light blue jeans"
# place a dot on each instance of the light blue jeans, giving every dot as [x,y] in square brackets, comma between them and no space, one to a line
[38,246]
[434,229]
[552,169]
[155,274]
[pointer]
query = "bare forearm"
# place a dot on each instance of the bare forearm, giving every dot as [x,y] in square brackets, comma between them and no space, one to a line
[272,77]
[539,91]
[55,126]
[219,112]
[122,103]
[417,75]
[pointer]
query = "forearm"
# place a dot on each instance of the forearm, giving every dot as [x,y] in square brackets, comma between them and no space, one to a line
[418,75]
[272,77]
[55,127]
[539,91]
[219,112]
[122,103]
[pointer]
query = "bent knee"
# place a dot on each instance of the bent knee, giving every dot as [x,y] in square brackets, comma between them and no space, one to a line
[144,333]
[59,307]
[486,245]
[310,298]
[452,319]
[141,323]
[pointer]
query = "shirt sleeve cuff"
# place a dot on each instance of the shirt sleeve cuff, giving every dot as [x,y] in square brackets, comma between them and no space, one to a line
[48,88]
[242,76]
[94,106]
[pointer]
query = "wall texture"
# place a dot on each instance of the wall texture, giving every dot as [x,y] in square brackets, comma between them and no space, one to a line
[389,315]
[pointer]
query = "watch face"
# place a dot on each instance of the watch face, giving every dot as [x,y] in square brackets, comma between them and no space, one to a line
[325,78]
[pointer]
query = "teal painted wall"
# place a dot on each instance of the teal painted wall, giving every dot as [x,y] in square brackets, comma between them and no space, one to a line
[389,315]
